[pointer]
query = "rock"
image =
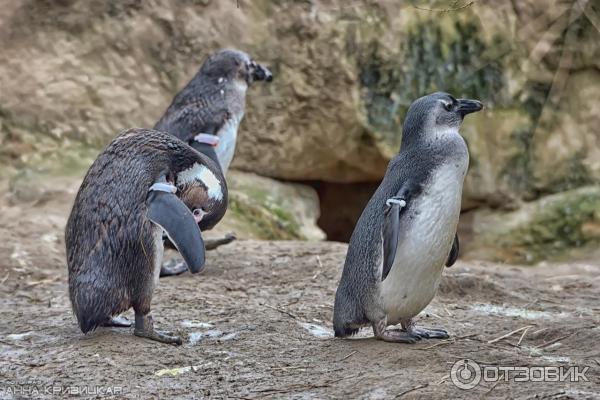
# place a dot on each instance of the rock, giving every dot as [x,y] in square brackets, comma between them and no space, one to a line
[344,77]
[566,142]
[264,208]
[553,227]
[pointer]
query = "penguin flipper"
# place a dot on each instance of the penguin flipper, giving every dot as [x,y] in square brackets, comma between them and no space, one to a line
[172,215]
[453,256]
[391,231]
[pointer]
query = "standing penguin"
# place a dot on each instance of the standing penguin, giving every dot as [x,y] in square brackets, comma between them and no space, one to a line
[207,112]
[143,184]
[407,231]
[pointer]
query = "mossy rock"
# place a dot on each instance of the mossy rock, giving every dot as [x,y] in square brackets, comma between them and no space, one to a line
[264,208]
[547,229]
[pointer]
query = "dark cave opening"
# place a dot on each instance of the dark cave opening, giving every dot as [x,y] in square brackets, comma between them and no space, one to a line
[341,205]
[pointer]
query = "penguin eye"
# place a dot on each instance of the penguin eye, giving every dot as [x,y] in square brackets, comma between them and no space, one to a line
[448,106]
[198,212]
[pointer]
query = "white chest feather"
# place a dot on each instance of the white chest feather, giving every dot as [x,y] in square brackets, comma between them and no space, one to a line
[158,251]
[201,173]
[428,229]
[227,138]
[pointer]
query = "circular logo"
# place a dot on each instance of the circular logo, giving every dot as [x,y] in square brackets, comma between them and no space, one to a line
[465,374]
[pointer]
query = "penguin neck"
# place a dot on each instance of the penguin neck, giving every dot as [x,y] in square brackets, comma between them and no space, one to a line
[208,150]
[421,138]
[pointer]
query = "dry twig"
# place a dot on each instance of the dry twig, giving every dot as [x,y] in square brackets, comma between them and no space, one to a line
[281,311]
[411,390]
[509,334]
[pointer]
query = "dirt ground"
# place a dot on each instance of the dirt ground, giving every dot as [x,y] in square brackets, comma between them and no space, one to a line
[256,324]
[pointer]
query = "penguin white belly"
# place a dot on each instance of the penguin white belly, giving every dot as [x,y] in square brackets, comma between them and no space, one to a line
[227,138]
[424,245]
[159,250]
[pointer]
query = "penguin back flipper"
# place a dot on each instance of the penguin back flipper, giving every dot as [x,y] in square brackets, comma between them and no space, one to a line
[453,256]
[391,228]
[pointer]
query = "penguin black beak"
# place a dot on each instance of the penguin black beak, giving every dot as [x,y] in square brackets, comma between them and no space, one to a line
[262,73]
[468,106]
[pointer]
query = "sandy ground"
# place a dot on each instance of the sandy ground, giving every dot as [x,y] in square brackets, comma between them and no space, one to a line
[256,324]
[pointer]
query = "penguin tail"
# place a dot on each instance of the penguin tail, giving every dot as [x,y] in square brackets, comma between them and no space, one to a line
[346,315]
[344,331]
[87,323]
[90,307]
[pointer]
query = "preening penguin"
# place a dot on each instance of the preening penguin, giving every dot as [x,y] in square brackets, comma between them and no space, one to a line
[407,232]
[143,184]
[207,112]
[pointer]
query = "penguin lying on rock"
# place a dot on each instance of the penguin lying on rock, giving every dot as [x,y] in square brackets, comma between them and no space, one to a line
[407,232]
[143,184]
[207,112]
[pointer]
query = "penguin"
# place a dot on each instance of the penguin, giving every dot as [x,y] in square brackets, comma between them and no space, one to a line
[207,112]
[407,231]
[144,183]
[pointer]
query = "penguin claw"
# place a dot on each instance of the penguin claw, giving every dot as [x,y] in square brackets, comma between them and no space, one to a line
[144,327]
[429,333]
[392,335]
[159,336]
[397,336]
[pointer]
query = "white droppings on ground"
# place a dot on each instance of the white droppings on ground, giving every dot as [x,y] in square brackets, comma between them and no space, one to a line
[196,337]
[316,330]
[19,336]
[180,370]
[516,312]
[196,324]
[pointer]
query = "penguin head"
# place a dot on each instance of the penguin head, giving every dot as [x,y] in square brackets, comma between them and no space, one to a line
[204,193]
[234,65]
[435,114]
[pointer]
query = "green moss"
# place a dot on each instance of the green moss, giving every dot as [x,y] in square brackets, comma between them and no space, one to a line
[518,169]
[575,175]
[268,220]
[558,224]
[431,58]
[536,95]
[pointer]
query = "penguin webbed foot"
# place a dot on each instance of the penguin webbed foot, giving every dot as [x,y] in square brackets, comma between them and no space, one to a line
[393,335]
[144,327]
[211,244]
[117,322]
[398,336]
[425,333]
[173,268]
